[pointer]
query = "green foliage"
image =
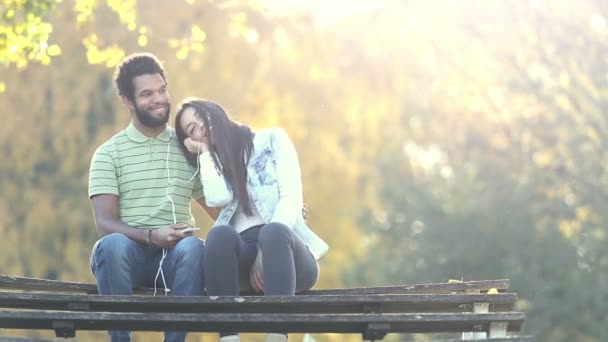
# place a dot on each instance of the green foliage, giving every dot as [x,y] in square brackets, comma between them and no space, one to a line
[24,32]
[500,169]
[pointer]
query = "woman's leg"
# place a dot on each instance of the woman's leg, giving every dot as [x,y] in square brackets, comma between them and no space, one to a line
[288,264]
[227,255]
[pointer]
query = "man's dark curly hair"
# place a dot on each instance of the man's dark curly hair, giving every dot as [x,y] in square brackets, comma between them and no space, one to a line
[134,65]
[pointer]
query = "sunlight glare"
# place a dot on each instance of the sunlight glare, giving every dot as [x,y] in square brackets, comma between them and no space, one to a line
[325,12]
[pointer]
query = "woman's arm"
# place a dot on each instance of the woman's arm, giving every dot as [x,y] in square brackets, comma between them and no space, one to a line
[216,190]
[289,181]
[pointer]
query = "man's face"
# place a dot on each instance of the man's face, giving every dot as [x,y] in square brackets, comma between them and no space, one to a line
[151,101]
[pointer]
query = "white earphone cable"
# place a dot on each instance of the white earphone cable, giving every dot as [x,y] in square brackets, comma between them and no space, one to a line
[160,265]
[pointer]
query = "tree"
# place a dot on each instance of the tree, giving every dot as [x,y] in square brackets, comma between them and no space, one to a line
[26,30]
[500,171]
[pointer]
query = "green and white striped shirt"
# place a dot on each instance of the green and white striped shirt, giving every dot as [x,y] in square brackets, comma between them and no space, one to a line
[134,167]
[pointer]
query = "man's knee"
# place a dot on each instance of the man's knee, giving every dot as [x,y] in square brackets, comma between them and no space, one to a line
[191,246]
[111,251]
[113,245]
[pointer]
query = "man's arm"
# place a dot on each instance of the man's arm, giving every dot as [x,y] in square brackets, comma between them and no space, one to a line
[107,221]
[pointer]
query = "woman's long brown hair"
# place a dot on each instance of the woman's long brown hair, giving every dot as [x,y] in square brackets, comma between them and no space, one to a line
[229,141]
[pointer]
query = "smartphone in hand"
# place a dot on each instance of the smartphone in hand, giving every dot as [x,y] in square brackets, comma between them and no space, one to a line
[189,230]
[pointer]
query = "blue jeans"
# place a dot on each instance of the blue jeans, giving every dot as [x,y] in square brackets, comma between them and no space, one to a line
[119,264]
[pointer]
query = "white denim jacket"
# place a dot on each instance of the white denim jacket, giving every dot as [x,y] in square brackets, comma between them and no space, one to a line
[273,181]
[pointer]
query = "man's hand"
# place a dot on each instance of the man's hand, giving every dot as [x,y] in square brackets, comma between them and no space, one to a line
[305,213]
[256,275]
[168,236]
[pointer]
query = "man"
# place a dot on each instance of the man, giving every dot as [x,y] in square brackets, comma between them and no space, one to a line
[141,186]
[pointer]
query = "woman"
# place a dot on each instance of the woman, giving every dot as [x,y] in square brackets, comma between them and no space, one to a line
[260,241]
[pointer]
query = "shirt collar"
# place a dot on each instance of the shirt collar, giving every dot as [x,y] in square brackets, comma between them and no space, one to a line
[134,134]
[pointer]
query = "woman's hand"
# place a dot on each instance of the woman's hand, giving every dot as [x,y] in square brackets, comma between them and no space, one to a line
[256,275]
[196,147]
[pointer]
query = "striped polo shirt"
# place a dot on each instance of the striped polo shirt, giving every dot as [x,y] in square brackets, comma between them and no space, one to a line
[134,167]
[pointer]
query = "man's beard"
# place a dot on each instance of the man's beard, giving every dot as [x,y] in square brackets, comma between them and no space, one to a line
[150,121]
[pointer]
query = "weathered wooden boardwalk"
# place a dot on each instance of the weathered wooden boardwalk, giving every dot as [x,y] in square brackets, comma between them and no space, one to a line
[464,308]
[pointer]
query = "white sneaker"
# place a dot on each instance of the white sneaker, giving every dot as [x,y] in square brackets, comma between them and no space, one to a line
[276,338]
[230,338]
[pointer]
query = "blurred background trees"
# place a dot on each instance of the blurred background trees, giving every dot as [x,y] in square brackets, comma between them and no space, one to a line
[438,139]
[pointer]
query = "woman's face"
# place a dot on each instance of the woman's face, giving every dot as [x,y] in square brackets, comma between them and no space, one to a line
[193,125]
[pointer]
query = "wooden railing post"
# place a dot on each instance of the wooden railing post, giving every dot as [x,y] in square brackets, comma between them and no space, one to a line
[480,333]
[376,331]
[498,330]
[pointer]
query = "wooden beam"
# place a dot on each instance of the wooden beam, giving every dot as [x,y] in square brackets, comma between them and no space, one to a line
[501,285]
[260,304]
[22,339]
[36,284]
[516,338]
[297,323]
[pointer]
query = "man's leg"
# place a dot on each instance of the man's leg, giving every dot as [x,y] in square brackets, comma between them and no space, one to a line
[183,271]
[118,264]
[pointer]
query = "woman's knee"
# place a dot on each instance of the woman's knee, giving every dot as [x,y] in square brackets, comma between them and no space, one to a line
[223,236]
[275,233]
[307,278]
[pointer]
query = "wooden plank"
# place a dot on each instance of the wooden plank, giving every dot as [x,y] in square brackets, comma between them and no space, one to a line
[435,288]
[297,323]
[35,284]
[22,339]
[260,304]
[524,338]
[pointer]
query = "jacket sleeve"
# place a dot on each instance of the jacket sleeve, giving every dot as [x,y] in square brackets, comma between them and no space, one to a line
[289,181]
[216,190]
